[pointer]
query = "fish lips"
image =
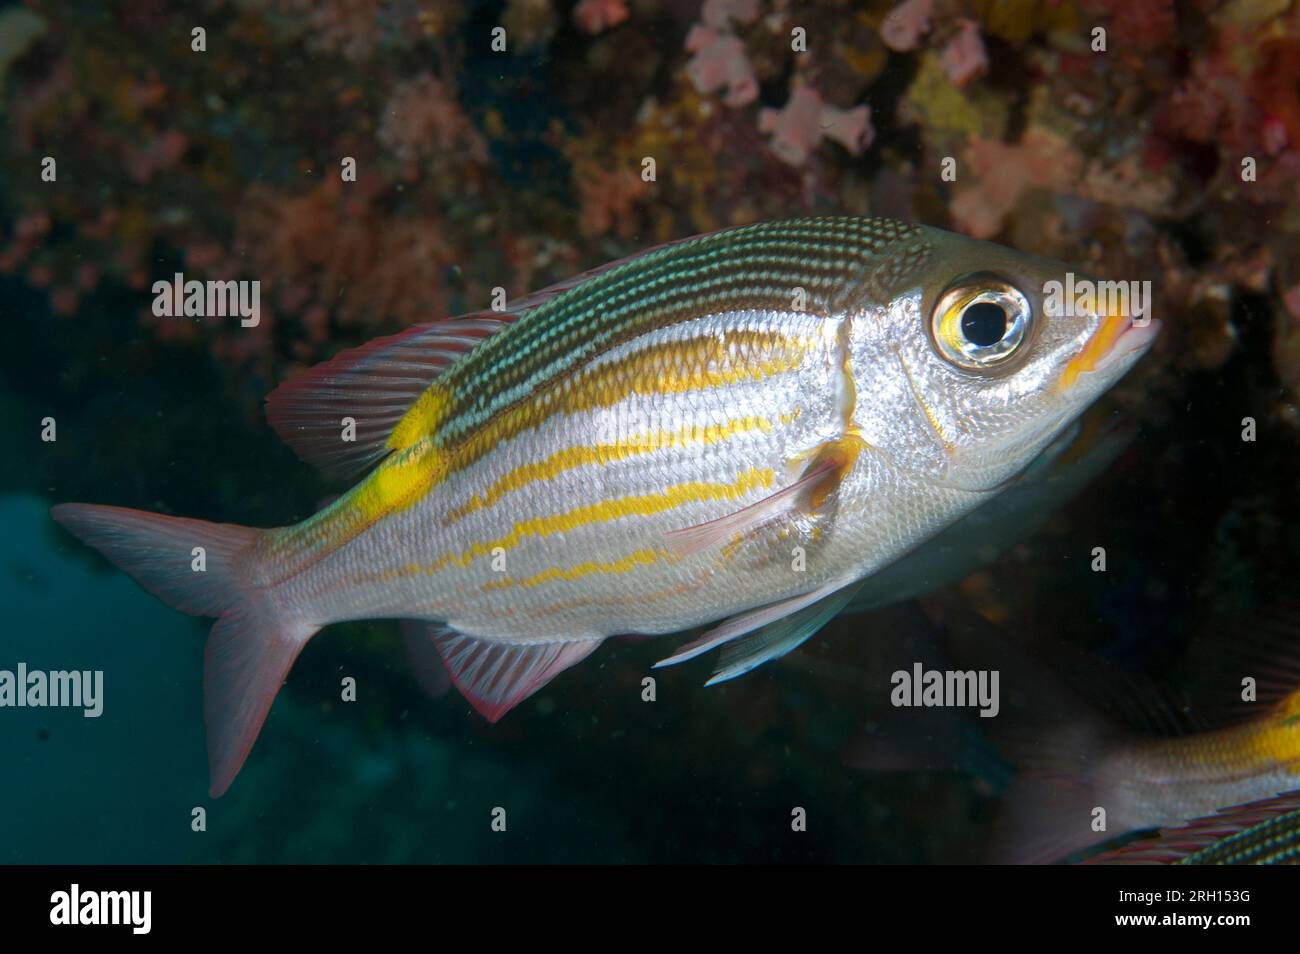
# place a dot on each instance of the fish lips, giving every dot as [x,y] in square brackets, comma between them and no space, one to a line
[1133,341]
[1114,347]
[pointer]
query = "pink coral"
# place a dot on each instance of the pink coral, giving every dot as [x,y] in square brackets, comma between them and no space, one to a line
[421,119]
[1275,87]
[1273,135]
[32,226]
[1145,25]
[964,57]
[720,13]
[325,247]
[800,125]
[597,16]
[64,301]
[607,198]
[851,128]
[1292,301]
[349,27]
[906,24]
[1208,94]
[1005,171]
[720,62]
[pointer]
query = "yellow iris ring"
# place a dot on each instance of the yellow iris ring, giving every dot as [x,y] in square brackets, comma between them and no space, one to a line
[951,307]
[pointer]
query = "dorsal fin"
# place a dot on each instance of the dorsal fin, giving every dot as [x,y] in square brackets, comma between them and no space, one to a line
[534,300]
[374,384]
[1262,644]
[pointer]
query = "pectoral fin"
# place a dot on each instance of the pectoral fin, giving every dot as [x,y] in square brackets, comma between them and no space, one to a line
[825,468]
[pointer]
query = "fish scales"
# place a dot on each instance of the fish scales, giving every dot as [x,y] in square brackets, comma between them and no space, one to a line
[567,509]
[692,340]
[1167,781]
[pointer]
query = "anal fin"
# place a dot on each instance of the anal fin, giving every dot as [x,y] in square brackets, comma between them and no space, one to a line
[496,677]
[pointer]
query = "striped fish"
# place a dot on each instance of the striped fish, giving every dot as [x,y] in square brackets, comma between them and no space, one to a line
[1104,752]
[1260,833]
[738,427]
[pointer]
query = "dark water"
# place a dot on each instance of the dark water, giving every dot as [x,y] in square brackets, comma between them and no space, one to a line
[220,164]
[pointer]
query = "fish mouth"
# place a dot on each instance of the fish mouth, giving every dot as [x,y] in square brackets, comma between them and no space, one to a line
[1116,338]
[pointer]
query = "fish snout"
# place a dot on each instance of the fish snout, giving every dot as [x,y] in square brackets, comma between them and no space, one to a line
[1117,337]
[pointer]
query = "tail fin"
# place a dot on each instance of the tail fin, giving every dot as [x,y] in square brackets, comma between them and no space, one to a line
[1050,811]
[252,644]
[1052,731]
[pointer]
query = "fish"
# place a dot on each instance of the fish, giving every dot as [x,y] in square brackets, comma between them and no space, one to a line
[1259,833]
[1085,735]
[1149,782]
[730,431]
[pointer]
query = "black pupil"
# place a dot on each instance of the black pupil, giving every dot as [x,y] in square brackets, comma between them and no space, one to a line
[984,323]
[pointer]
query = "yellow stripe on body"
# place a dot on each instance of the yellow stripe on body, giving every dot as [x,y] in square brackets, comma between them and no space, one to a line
[608,600]
[573,457]
[638,558]
[602,512]
[398,482]
[672,367]
[407,475]
[1265,744]
[1275,738]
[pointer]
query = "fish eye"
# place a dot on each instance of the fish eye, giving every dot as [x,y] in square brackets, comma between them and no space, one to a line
[980,322]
